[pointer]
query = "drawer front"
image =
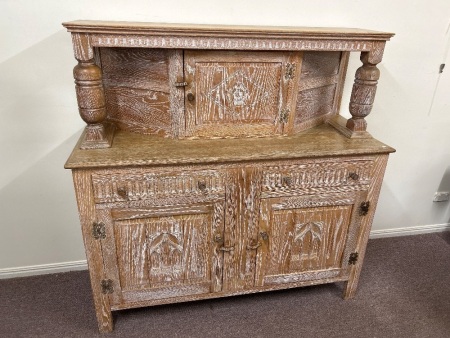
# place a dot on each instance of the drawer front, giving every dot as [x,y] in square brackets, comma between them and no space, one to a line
[314,175]
[140,185]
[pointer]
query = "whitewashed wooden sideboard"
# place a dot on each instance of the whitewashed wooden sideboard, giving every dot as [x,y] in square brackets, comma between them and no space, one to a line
[215,162]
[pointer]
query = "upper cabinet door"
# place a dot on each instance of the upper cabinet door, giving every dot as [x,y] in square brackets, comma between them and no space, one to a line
[240,94]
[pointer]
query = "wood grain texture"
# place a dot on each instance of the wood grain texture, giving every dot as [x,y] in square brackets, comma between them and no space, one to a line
[86,209]
[345,56]
[233,230]
[304,234]
[133,149]
[225,30]
[153,35]
[136,68]
[363,93]
[149,301]
[176,97]
[320,64]
[163,251]
[239,94]
[137,89]
[251,238]
[139,110]
[91,105]
[82,46]
[229,212]
[314,103]
[365,225]
[149,184]
[319,173]
[320,88]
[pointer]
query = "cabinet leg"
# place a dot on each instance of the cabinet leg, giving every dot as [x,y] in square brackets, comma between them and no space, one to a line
[349,290]
[352,283]
[105,320]
[102,309]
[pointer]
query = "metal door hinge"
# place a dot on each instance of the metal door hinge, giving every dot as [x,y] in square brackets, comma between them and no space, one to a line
[98,230]
[284,115]
[290,71]
[364,208]
[107,286]
[353,258]
[181,84]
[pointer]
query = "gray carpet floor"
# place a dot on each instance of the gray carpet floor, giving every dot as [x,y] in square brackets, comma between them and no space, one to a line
[404,291]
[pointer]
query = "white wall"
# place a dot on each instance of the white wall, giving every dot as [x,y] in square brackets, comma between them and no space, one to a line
[40,124]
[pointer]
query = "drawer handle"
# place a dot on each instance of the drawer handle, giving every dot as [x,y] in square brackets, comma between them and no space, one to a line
[287,181]
[253,247]
[354,176]
[219,240]
[122,192]
[201,185]
[227,248]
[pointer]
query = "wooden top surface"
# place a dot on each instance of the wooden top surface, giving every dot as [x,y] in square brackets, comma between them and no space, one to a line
[131,149]
[121,27]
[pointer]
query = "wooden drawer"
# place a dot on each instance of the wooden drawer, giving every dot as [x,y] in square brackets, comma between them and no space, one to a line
[314,176]
[141,184]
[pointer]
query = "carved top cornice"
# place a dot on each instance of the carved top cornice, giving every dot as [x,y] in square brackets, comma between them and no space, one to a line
[164,35]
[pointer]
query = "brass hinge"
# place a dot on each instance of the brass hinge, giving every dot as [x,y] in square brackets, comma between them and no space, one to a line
[98,230]
[353,258]
[290,71]
[284,115]
[364,208]
[107,286]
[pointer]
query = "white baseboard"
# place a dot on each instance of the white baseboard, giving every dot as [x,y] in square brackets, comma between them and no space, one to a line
[42,269]
[417,230]
[82,265]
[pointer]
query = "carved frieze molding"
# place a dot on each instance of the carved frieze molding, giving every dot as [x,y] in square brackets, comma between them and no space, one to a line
[142,41]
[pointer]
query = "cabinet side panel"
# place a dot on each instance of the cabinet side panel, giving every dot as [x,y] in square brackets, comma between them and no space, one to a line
[366,224]
[86,207]
[137,90]
[319,87]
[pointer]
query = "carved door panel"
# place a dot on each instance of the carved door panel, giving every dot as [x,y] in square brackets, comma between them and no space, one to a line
[240,94]
[162,252]
[306,238]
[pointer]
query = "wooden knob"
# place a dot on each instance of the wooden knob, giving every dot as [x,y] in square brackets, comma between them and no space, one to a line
[354,176]
[287,180]
[122,192]
[201,185]
[190,97]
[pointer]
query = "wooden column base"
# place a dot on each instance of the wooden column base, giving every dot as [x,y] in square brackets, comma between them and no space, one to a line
[98,136]
[340,123]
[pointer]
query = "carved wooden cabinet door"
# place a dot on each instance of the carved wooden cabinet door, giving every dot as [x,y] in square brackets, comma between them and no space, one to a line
[161,252]
[240,94]
[308,237]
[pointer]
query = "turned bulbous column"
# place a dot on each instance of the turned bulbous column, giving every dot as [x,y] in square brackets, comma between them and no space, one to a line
[91,105]
[90,96]
[363,94]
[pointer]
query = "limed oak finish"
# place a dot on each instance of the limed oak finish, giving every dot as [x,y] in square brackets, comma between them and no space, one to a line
[215,163]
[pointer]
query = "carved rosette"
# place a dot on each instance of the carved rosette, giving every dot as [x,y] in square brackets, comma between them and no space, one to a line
[363,93]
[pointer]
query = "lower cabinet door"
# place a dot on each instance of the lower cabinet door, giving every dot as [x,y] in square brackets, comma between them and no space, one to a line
[307,238]
[162,252]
